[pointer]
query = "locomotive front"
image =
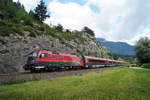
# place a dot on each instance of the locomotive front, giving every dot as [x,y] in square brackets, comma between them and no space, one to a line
[31,60]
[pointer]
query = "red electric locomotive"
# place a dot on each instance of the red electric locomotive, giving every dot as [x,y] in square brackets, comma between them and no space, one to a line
[47,60]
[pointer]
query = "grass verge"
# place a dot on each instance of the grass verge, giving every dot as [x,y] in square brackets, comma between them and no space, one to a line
[117,84]
[16,80]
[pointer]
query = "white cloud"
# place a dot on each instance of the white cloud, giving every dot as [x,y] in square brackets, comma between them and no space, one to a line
[145,33]
[71,15]
[120,20]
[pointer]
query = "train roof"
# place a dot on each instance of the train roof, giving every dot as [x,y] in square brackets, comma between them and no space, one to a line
[104,59]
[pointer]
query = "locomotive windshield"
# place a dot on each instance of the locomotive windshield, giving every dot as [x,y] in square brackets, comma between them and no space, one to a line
[34,54]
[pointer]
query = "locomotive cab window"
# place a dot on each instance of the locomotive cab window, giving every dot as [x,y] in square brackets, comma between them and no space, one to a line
[34,54]
[43,55]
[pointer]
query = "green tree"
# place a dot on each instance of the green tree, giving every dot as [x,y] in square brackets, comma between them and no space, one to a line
[41,11]
[59,27]
[142,48]
[31,13]
[88,30]
[105,53]
[8,9]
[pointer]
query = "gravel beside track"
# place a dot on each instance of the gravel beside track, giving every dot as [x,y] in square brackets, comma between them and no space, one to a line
[48,75]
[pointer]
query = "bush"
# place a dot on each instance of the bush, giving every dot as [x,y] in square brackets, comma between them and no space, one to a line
[88,30]
[146,65]
[9,8]
[8,27]
[59,28]
[133,65]
[23,18]
[5,28]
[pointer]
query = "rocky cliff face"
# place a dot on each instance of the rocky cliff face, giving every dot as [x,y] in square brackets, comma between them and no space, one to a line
[14,49]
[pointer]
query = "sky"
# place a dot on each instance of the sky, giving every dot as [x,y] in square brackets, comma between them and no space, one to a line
[114,20]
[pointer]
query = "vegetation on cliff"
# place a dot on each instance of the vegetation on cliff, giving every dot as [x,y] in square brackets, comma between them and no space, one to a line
[15,20]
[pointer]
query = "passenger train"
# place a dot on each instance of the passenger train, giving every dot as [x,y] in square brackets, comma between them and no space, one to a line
[47,60]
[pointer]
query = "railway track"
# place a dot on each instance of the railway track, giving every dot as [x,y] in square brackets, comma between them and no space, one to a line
[48,75]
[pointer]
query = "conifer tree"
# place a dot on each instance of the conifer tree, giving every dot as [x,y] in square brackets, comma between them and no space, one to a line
[41,11]
[88,30]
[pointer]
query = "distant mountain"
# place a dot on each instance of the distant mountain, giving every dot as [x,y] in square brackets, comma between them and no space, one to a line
[119,48]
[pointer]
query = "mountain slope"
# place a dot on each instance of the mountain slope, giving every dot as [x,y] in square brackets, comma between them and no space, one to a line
[119,48]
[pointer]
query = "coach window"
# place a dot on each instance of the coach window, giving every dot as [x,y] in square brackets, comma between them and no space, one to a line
[49,54]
